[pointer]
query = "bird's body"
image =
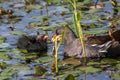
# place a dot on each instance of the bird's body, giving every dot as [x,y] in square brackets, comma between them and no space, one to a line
[32,43]
[73,47]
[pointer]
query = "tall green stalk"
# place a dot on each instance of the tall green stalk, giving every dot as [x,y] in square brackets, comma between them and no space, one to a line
[57,44]
[77,24]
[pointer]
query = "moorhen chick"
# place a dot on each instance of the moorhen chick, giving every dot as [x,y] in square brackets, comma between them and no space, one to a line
[36,43]
[73,48]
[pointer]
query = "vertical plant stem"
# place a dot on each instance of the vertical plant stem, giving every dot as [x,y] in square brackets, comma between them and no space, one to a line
[75,17]
[81,39]
[78,27]
[56,57]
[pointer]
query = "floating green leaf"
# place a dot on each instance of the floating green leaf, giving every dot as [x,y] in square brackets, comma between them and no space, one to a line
[66,73]
[16,51]
[17,33]
[118,66]
[93,63]
[118,8]
[24,50]
[34,6]
[70,77]
[115,76]
[3,56]
[47,28]
[40,17]
[95,31]
[55,1]
[87,2]
[44,59]
[3,65]
[35,24]
[62,23]
[68,18]
[108,61]
[90,69]
[2,39]
[7,74]
[19,67]
[95,10]
[71,61]
[31,57]
[39,70]
[4,50]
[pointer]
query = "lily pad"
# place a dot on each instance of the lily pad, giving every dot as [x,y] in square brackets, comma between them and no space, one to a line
[89,69]
[44,59]
[66,73]
[24,50]
[55,1]
[3,56]
[87,2]
[70,77]
[2,39]
[16,54]
[48,28]
[3,65]
[19,67]
[118,66]
[118,8]
[93,63]
[29,57]
[95,10]
[94,16]
[115,76]
[17,33]
[95,31]
[71,61]
[40,17]
[35,24]
[108,61]
[7,74]
[34,6]
[62,23]
[68,18]
[16,51]
[39,70]
[4,50]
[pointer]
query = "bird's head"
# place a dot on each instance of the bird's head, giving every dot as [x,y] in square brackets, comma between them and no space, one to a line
[41,36]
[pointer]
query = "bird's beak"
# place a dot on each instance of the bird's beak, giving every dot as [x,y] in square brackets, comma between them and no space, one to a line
[45,37]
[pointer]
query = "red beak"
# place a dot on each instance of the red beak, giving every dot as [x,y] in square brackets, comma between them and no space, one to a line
[44,37]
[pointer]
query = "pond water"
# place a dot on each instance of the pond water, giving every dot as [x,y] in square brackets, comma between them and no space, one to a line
[16,64]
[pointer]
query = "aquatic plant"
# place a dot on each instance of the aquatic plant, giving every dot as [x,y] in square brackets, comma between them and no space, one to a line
[77,24]
[57,42]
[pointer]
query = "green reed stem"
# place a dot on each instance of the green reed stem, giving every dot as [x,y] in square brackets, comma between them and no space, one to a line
[55,51]
[56,56]
[77,24]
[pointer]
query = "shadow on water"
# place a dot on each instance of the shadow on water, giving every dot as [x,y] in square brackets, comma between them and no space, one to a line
[28,18]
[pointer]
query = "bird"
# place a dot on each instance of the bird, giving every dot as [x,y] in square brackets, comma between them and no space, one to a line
[73,47]
[37,43]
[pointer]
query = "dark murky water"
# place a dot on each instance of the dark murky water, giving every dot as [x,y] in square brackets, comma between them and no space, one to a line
[15,59]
